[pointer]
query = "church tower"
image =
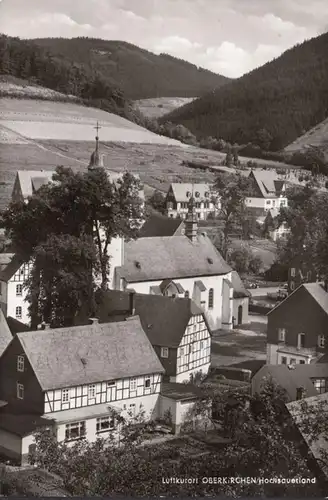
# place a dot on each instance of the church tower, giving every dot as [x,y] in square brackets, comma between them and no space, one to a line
[191,223]
[96,159]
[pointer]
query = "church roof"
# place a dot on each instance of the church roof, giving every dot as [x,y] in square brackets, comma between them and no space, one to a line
[65,357]
[149,259]
[159,225]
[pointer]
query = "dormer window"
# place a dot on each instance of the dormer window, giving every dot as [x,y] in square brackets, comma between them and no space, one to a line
[197,194]
[20,363]
[188,194]
[209,260]
[137,264]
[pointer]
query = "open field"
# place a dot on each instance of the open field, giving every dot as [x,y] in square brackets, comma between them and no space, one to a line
[316,136]
[160,106]
[20,89]
[232,348]
[42,120]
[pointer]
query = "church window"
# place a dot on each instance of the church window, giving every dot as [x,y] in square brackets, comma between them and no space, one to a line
[211,298]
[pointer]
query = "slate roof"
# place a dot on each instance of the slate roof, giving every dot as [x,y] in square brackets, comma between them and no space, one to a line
[5,258]
[318,445]
[180,190]
[5,333]
[16,326]
[31,180]
[159,225]
[150,259]
[22,425]
[164,319]
[8,272]
[268,182]
[239,290]
[65,357]
[291,379]
[317,292]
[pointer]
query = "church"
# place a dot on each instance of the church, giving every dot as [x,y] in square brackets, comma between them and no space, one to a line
[186,265]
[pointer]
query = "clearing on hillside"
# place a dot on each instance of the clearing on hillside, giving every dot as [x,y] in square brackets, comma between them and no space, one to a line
[316,137]
[160,106]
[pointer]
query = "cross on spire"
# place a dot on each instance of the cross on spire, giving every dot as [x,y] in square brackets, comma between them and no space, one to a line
[98,127]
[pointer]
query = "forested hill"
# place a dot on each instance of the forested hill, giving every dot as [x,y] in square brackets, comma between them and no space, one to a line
[26,60]
[273,104]
[138,72]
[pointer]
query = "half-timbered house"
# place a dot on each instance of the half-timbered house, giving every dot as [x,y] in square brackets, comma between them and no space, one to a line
[176,327]
[12,291]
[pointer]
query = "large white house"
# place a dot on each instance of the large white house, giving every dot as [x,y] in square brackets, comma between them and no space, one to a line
[181,266]
[178,197]
[269,191]
[12,291]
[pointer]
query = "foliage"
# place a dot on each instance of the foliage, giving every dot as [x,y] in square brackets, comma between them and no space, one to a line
[260,443]
[140,74]
[232,190]
[66,227]
[157,201]
[306,217]
[278,101]
[244,261]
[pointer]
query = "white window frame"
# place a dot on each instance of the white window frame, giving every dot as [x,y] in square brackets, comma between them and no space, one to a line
[92,391]
[133,384]
[293,272]
[281,334]
[320,385]
[321,341]
[164,352]
[20,363]
[19,290]
[101,424]
[81,426]
[18,312]
[299,336]
[20,391]
[65,396]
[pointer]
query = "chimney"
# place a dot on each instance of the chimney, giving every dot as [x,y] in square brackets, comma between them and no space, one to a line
[132,303]
[94,321]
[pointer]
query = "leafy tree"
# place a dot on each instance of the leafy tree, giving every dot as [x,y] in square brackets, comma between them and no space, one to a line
[232,190]
[66,229]
[157,201]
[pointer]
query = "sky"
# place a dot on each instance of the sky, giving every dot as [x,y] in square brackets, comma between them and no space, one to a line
[229,37]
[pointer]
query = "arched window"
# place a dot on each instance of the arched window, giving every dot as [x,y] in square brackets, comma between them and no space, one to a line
[211,298]
[186,294]
[197,194]
[188,194]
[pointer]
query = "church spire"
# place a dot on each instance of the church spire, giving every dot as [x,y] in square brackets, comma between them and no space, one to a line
[191,224]
[96,159]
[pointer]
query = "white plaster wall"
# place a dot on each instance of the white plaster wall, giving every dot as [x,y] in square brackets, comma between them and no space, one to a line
[272,356]
[275,358]
[14,301]
[184,410]
[185,376]
[213,316]
[167,404]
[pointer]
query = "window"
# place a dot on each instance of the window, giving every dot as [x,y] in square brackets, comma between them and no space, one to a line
[75,430]
[147,382]
[92,391]
[293,272]
[292,361]
[321,385]
[197,194]
[268,202]
[20,363]
[211,298]
[201,345]
[65,396]
[164,352]
[281,334]
[18,312]
[321,341]
[301,340]
[20,391]
[111,383]
[19,290]
[105,424]
[302,362]
[133,384]
[284,360]
[181,351]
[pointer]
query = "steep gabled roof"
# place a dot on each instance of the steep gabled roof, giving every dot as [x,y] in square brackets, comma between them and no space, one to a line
[291,379]
[65,357]
[159,225]
[164,319]
[5,333]
[5,258]
[32,180]
[180,191]
[317,292]
[8,272]
[239,290]
[150,259]
[268,182]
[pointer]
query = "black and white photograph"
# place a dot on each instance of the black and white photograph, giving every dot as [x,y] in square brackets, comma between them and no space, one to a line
[164,248]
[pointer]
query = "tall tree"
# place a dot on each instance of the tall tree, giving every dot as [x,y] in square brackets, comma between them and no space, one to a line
[79,206]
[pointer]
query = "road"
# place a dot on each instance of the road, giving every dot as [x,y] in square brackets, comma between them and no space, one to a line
[262,292]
